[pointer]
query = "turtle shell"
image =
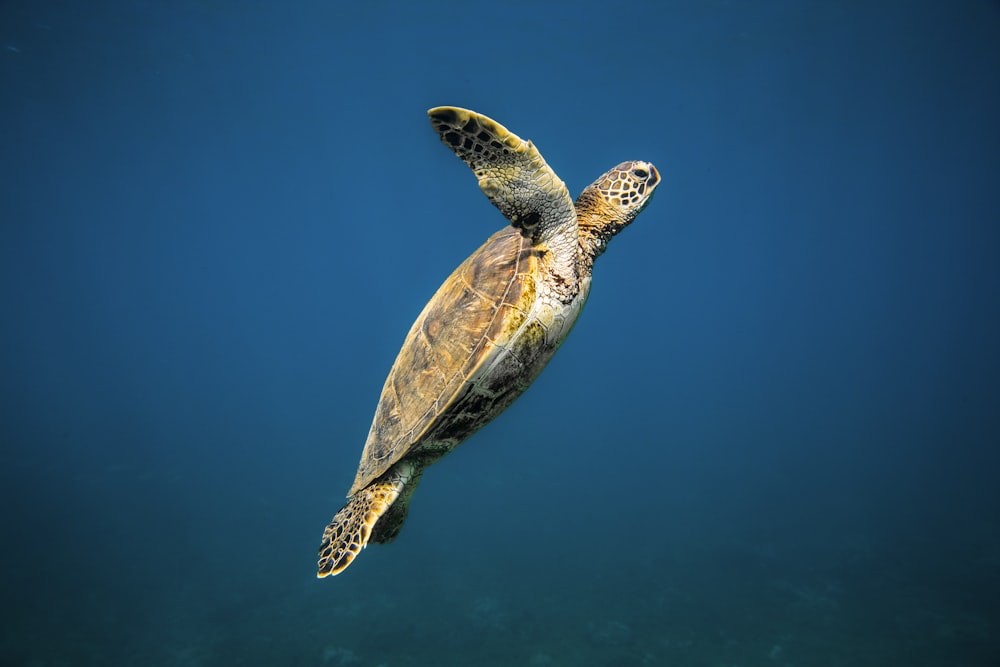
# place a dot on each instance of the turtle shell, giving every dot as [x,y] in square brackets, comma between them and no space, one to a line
[457,368]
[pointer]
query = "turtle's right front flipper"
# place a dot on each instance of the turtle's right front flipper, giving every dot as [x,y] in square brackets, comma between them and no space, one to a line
[355,524]
[511,173]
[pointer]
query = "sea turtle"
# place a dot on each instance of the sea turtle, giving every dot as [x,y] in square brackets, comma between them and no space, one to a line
[491,327]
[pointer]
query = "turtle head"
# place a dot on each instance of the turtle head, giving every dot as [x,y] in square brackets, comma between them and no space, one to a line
[611,202]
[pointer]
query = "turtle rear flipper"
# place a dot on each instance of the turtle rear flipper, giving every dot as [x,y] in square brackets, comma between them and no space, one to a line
[359,520]
[387,527]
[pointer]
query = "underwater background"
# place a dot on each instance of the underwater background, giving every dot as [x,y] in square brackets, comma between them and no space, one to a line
[773,438]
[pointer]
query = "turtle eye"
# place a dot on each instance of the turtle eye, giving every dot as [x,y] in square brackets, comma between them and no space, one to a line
[641,173]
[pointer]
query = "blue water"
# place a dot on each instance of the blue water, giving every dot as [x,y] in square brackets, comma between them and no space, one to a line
[773,438]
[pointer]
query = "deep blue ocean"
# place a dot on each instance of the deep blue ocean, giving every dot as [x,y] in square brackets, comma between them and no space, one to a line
[772,439]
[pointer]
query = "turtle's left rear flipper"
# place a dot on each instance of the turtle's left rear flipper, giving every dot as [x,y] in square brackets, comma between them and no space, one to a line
[352,527]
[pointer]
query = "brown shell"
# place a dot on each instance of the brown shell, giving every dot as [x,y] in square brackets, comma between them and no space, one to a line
[471,318]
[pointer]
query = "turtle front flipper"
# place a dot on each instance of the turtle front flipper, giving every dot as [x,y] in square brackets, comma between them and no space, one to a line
[368,514]
[511,173]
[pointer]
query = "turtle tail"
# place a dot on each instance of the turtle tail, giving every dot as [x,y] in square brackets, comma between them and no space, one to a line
[376,512]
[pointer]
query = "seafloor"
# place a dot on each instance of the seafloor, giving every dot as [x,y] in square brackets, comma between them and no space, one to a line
[847,603]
